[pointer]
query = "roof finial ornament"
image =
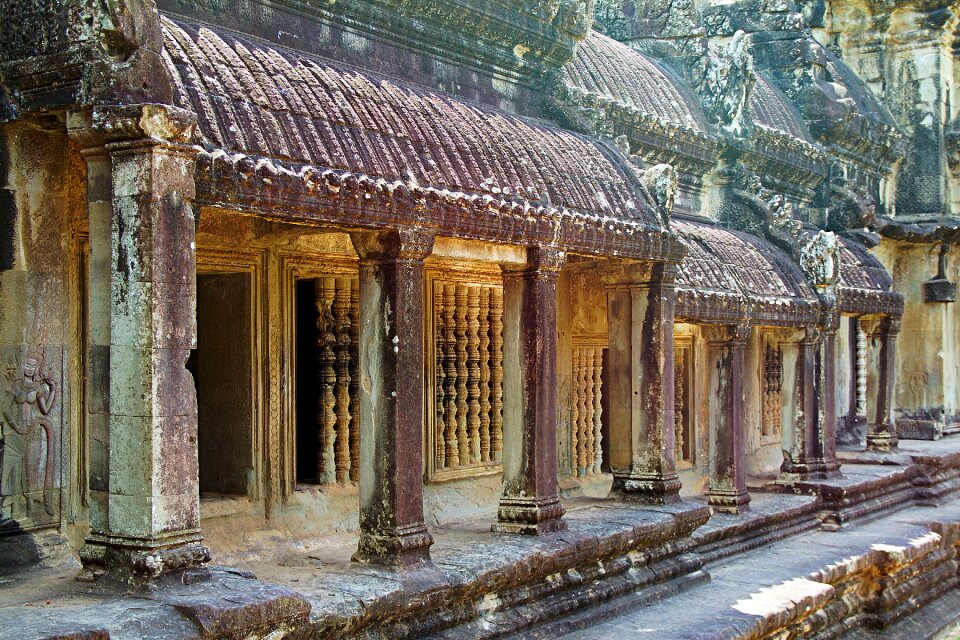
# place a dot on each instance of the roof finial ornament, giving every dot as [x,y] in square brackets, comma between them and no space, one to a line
[661,182]
[819,260]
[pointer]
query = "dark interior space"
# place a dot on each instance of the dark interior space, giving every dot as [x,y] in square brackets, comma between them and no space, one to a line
[605,414]
[306,382]
[222,370]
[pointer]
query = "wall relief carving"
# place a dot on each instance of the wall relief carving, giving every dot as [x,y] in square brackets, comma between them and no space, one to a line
[29,441]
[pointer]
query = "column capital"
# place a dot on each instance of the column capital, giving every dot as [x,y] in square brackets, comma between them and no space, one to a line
[545,260]
[156,124]
[624,274]
[390,245]
[725,334]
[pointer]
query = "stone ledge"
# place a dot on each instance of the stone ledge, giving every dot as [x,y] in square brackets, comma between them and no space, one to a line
[202,604]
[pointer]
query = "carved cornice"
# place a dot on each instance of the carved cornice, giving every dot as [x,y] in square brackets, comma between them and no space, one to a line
[513,40]
[650,137]
[313,195]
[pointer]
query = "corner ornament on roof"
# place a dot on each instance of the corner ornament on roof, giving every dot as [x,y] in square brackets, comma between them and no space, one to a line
[819,259]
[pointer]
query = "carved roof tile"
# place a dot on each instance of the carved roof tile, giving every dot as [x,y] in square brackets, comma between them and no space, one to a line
[613,70]
[264,101]
[731,264]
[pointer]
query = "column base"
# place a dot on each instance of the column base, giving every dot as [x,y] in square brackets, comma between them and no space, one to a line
[529,516]
[400,546]
[881,438]
[141,558]
[793,470]
[729,500]
[646,488]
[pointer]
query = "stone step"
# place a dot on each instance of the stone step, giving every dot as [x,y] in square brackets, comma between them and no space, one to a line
[819,584]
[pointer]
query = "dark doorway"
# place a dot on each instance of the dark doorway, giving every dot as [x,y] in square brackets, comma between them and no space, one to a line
[308,444]
[222,367]
[605,413]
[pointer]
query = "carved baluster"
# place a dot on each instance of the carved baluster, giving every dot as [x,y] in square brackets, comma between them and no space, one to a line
[460,311]
[679,387]
[771,390]
[341,316]
[450,390]
[496,372]
[861,370]
[355,379]
[441,348]
[324,291]
[485,405]
[575,443]
[588,383]
[597,409]
[473,372]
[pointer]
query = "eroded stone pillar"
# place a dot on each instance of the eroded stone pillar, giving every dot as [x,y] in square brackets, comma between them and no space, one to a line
[882,430]
[144,478]
[392,530]
[814,456]
[530,503]
[725,367]
[640,303]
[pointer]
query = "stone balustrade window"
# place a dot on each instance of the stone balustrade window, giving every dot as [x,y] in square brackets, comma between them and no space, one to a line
[338,416]
[682,400]
[772,387]
[465,434]
[586,416]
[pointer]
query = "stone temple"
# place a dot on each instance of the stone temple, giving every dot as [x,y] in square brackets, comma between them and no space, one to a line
[479,319]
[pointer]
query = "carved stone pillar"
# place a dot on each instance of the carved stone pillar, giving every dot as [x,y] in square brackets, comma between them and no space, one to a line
[882,430]
[530,503]
[640,303]
[146,515]
[815,455]
[392,319]
[725,366]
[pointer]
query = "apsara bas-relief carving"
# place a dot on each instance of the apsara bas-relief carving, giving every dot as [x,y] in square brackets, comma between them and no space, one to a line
[29,441]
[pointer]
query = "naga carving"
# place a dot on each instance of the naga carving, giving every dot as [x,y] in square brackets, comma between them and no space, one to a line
[773,213]
[661,182]
[724,78]
[819,260]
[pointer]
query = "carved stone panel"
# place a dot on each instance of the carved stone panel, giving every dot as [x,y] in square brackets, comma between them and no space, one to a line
[30,438]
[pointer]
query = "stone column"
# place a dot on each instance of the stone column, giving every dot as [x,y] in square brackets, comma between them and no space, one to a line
[815,455]
[882,430]
[392,530]
[146,514]
[530,503]
[640,303]
[725,368]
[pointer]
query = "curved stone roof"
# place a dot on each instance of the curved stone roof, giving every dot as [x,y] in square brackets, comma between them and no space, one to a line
[605,67]
[864,285]
[739,273]
[772,109]
[261,101]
